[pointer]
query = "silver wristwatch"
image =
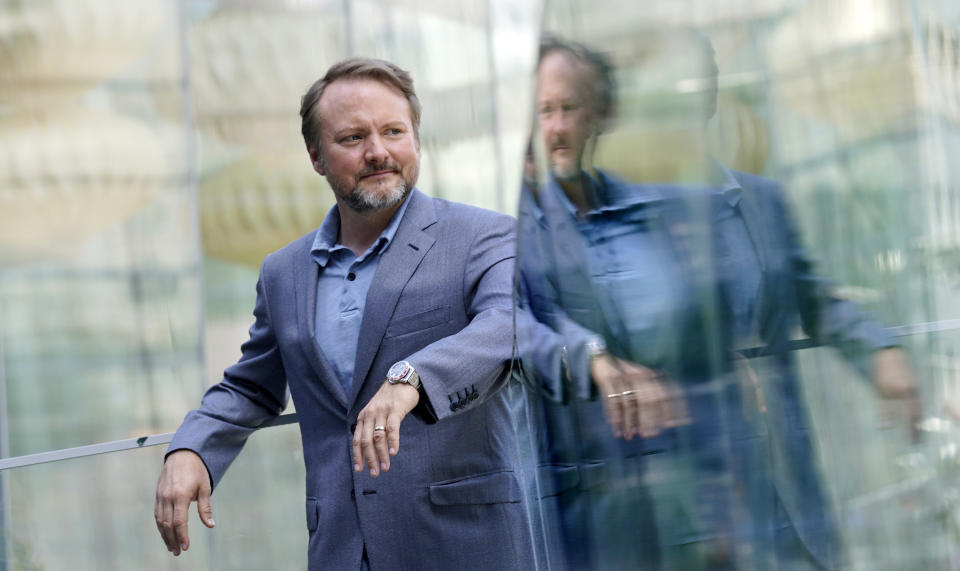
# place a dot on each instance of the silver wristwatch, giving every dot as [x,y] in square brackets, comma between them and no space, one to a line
[403,372]
[595,347]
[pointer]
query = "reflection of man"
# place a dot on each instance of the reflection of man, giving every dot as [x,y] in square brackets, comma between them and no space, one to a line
[767,289]
[390,325]
[622,271]
[574,101]
[579,233]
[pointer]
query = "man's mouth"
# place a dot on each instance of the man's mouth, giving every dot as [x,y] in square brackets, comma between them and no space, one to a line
[377,174]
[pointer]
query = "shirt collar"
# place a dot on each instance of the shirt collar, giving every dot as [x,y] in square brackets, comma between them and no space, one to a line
[325,241]
[614,194]
[727,184]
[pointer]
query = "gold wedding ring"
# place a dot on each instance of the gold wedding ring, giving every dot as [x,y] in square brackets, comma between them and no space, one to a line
[614,395]
[379,428]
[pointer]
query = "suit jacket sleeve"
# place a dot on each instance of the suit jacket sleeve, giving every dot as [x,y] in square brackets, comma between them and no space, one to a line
[557,344]
[471,365]
[825,317]
[252,392]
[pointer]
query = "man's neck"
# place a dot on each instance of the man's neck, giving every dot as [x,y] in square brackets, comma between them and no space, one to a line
[359,230]
[580,193]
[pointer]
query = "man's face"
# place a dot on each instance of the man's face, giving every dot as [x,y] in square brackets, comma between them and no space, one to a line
[369,151]
[566,112]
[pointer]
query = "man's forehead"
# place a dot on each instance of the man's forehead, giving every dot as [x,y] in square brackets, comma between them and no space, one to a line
[352,95]
[562,67]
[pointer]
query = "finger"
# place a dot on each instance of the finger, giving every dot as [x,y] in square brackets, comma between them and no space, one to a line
[380,444]
[181,537]
[357,448]
[630,410]
[393,433]
[613,411]
[649,412]
[164,519]
[652,400]
[166,524]
[666,416]
[204,507]
[367,450]
[636,415]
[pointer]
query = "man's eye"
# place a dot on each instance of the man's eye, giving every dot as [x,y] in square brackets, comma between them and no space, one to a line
[545,110]
[394,131]
[351,138]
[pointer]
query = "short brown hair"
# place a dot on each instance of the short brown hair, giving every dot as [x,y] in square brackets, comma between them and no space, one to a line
[604,85]
[356,67]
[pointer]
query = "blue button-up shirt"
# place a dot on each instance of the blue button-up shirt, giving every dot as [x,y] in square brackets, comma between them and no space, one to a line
[342,289]
[634,276]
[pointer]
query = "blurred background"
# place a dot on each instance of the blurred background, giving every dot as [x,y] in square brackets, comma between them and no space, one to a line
[150,156]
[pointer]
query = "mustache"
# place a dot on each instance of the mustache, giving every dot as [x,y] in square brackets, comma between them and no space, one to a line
[559,142]
[375,168]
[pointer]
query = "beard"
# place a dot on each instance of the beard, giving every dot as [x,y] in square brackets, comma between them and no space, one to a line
[565,169]
[371,200]
[566,173]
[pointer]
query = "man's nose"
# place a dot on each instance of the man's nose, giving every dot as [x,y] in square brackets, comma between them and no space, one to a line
[376,151]
[554,127]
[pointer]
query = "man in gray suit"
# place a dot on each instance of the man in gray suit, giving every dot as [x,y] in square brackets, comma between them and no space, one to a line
[391,324]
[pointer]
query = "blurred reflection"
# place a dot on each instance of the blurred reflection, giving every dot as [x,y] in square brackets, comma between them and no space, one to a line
[671,428]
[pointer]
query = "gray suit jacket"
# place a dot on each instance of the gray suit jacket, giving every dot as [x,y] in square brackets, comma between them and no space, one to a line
[441,298]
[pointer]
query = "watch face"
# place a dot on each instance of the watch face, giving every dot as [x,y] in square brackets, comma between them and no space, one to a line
[397,371]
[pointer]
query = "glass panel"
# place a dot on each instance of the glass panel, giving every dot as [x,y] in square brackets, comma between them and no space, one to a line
[96,512]
[150,157]
[687,165]
[100,284]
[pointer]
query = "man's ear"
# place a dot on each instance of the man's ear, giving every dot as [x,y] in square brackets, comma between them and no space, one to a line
[315,160]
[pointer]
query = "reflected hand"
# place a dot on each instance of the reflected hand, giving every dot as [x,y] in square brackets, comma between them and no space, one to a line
[895,380]
[637,401]
[750,386]
[377,436]
[184,479]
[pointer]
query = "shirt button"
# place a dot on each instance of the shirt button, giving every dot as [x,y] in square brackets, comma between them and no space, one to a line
[351,276]
[454,406]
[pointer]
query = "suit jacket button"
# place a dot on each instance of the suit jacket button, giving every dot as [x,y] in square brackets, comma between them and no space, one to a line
[454,406]
[474,396]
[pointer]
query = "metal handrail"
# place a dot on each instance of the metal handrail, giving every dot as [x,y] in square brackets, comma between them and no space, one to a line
[113,446]
[157,439]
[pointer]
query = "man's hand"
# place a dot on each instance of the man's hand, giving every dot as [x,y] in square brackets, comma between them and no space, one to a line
[895,380]
[184,479]
[377,436]
[636,400]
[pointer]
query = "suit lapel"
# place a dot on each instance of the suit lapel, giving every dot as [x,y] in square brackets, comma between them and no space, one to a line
[750,215]
[305,281]
[395,268]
